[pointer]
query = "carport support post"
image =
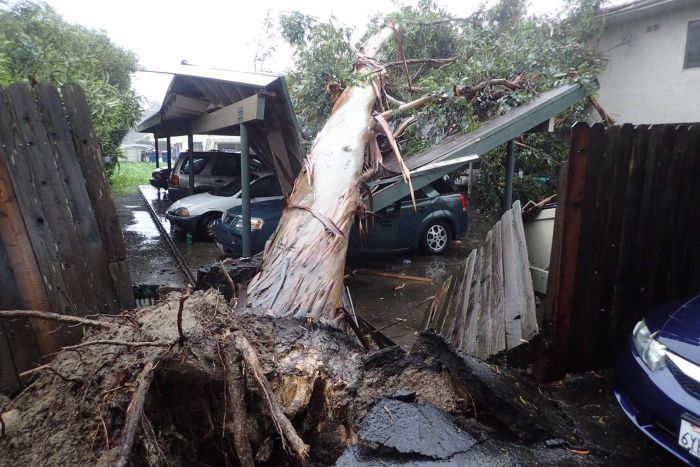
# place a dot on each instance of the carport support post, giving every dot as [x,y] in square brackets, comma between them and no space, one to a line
[245,189]
[170,154]
[156,138]
[190,151]
[156,145]
[510,168]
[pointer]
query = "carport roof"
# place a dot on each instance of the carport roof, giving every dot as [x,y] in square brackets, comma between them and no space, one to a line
[196,91]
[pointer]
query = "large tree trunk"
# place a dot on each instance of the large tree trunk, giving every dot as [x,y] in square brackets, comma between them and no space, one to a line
[302,270]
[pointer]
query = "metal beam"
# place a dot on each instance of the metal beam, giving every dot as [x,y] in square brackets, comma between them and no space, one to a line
[510,168]
[157,155]
[170,153]
[245,190]
[190,154]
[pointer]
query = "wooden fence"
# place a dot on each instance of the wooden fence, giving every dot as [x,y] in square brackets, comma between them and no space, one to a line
[61,244]
[488,305]
[626,238]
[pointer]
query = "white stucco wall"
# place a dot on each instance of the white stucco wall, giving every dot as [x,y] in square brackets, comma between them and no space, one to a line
[644,81]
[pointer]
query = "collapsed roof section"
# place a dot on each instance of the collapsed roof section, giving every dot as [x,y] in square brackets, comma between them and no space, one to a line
[462,148]
[203,100]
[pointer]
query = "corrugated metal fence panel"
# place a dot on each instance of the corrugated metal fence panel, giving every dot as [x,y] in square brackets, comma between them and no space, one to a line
[629,213]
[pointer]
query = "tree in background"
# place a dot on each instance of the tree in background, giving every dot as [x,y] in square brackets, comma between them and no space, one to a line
[36,44]
[474,69]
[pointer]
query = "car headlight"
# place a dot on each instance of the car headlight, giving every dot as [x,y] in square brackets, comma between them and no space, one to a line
[255,223]
[653,353]
[182,212]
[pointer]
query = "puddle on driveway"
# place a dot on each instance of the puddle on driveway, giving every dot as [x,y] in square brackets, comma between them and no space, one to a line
[142,224]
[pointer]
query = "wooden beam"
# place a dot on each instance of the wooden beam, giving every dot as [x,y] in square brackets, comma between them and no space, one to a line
[247,110]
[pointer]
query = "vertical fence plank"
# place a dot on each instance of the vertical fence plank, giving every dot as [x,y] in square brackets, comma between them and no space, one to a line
[18,348]
[511,299]
[566,243]
[528,316]
[485,324]
[498,320]
[626,283]
[61,142]
[588,287]
[690,272]
[467,340]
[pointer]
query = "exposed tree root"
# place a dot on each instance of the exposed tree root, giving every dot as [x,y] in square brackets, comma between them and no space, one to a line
[245,389]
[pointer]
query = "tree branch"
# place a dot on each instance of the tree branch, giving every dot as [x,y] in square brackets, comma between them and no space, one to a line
[116,342]
[54,317]
[415,61]
[413,105]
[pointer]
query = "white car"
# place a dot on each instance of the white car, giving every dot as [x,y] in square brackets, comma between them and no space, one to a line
[198,213]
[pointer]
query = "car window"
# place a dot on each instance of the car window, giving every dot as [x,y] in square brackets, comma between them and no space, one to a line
[231,188]
[227,167]
[420,194]
[265,187]
[199,163]
[443,186]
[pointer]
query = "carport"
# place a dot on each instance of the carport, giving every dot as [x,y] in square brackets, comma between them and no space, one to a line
[254,106]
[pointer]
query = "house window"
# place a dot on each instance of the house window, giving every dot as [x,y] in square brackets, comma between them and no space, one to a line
[692,46]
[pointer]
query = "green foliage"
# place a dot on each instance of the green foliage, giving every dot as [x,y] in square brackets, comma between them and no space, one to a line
[322,55]
[36,44]
[500,42]
[127,176]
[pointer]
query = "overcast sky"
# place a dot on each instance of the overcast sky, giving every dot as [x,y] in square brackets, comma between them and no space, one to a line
[217,33]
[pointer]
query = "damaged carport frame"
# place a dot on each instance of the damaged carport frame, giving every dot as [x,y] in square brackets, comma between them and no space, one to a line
[254,106]
[461,149]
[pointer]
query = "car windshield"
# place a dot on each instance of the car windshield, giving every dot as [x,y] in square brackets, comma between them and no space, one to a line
[230,189]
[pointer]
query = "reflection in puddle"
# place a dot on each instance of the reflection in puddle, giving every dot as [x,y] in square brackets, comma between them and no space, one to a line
[143,225]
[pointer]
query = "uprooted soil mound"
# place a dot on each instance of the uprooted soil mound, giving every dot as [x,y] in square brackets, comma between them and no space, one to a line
[217,387]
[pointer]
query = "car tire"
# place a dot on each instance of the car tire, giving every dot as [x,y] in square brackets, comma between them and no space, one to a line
[436,238]
[205,225]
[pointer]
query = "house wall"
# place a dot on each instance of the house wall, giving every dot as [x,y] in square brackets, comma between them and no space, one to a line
[644,81]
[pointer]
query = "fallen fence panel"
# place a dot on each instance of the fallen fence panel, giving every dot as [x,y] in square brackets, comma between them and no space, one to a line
[488,306]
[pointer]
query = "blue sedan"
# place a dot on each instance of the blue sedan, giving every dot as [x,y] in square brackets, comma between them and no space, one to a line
[657,379]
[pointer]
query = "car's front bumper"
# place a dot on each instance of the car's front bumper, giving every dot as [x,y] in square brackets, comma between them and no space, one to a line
[188,224]
[231,242]
[654,401]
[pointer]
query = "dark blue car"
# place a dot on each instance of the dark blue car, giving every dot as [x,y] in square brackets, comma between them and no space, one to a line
[657,381]
[440,216]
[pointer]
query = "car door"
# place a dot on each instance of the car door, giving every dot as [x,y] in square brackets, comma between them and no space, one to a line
[380,236]
[411,220]
[224,169]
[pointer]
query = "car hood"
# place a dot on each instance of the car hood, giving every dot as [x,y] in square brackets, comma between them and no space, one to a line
[205,202]
[680,330]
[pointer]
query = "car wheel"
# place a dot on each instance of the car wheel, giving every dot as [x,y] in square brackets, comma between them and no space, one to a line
[206,225]
[436,238]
